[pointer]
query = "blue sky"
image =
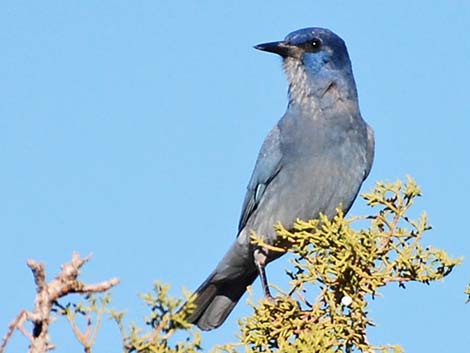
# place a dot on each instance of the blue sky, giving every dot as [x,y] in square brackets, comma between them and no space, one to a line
[130,130]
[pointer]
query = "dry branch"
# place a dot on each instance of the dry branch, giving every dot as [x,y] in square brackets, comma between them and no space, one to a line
[66,282]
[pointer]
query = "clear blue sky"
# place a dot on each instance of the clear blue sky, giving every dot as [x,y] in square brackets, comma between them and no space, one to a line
[130,130]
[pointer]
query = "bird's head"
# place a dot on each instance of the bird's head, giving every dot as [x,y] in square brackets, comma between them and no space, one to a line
[314,60]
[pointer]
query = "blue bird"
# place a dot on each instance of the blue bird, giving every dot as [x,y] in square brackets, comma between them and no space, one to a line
[313,160]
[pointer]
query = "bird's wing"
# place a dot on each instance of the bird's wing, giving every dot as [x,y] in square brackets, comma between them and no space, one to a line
[370,150]
[267,167]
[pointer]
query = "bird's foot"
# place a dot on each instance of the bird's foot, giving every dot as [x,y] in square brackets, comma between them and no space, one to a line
[269,298]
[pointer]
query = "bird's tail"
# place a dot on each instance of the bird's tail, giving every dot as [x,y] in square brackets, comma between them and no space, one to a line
[215,300]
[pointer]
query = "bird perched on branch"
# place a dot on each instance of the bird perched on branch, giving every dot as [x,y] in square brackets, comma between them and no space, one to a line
[313,161]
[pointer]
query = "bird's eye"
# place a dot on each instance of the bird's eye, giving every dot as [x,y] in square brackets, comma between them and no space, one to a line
[316,43]
[313,45]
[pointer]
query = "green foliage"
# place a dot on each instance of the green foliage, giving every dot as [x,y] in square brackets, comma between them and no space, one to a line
[92,308]
[349,267]
[164,321]
[155,336]
[338,265]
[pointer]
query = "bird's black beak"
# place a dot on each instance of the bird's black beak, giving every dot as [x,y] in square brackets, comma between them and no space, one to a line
[284,49]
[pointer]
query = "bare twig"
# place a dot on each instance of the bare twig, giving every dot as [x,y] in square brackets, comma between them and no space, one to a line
[15,324]
[66,282]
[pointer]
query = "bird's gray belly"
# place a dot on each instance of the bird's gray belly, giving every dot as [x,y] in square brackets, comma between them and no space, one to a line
[303,189]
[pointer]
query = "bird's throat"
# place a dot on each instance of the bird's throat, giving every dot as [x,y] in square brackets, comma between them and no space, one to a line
[313,92]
